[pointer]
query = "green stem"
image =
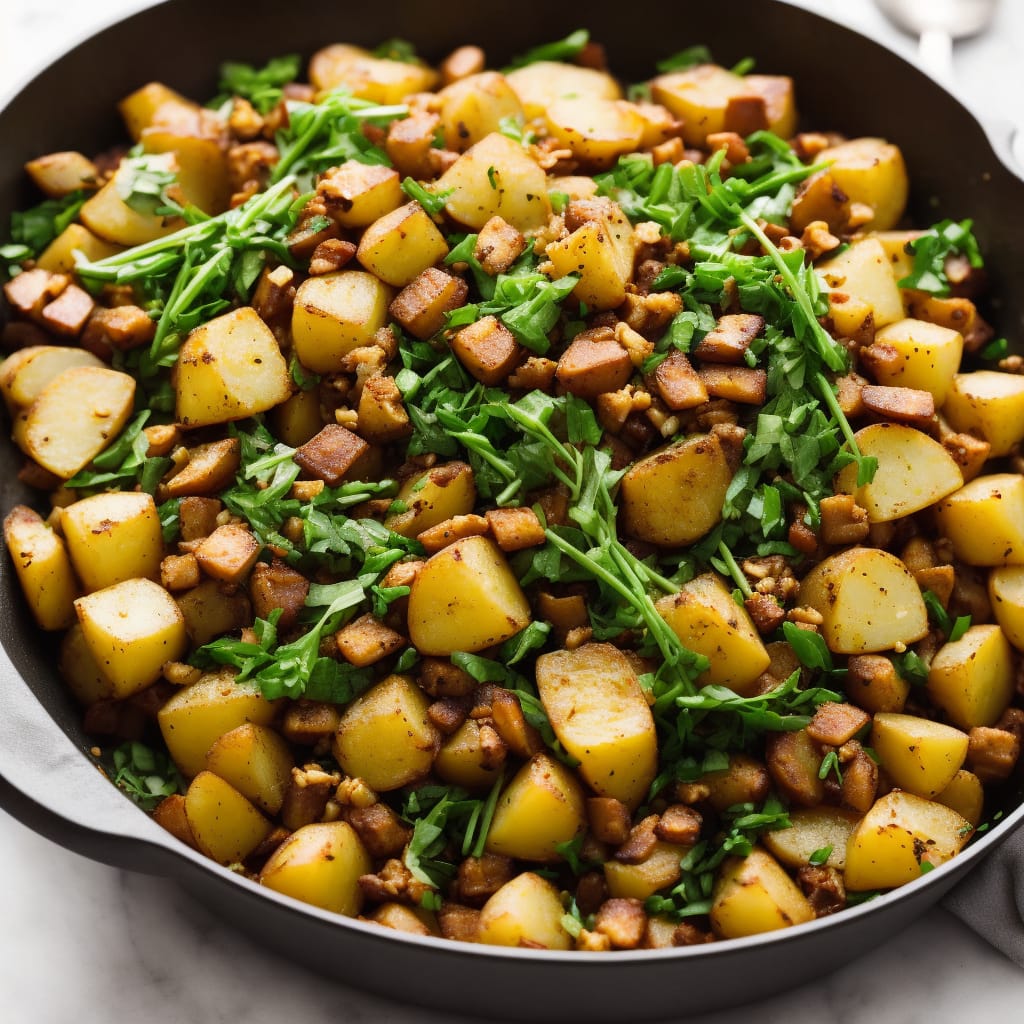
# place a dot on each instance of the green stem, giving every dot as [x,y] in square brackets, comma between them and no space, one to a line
[734,570]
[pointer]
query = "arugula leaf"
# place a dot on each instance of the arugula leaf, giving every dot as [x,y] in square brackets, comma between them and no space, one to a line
[930,251]
[146,775]
[34,229]
[262,87]
[432,202]
[562,50]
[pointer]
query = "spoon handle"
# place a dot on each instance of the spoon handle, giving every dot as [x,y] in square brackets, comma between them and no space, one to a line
[935,52]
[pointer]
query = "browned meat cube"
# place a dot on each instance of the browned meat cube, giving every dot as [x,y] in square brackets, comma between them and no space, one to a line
[730,339]
[228,553]
[420,307]
[594,363]
[366,640]
[198,517]
[740,384]
[409,143]
[487,349]
[451,530]
[843,521]
[31,290]
[210,468]
[67,314]
[498,246]
[331,454]
[515,528]
[901,405]
[834,724]
[609,819]
[678,384]
[278,585]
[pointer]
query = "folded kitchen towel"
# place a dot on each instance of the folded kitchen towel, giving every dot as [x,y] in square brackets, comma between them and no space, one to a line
[991,899]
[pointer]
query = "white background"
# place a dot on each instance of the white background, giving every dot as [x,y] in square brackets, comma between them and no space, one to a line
[85,943]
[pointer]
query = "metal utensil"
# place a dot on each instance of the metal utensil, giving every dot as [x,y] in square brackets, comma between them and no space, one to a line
[938,24]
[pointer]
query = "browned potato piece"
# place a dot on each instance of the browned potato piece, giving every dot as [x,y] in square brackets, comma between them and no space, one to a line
[43,568]
[57,174]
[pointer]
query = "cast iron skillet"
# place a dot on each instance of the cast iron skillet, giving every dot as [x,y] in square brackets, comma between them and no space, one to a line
[844,81]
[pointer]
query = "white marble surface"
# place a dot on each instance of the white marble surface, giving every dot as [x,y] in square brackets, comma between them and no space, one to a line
[86,943]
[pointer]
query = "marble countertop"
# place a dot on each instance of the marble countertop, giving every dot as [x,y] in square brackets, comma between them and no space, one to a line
[84,942]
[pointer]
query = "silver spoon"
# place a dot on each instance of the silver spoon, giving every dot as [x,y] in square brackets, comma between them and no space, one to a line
[937,24]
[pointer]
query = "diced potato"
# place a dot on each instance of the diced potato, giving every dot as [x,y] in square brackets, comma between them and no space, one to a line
[868,601]
[525,910]
[358,193]
[899,834]
[708,621]
[76,416]
[228,369]
[871,171]
[600,251]
[919,755]
[58,257]
[475,106]
[540,808]
[543,82]
[197,716]
[914,471]
[401,245]
[256,760]
[107,214]
[972,679]
[25,373]
[112,537]
[297,419]
[224,825]
[201,162]
[385,736]
[336,313]
[753,894]
[599,713]
[432,497]
[368,77]
[638,881]
[43,568]
[320,864]
[461,760]
[79,670]
[864,271]
[990,405]
[210,609]
[132,629]
[674,495]
[895,245]
[711,99]
[965,794]
[414,920]
[812,829]
[59,174]
[597,130]
[1006,592]
[985,520]
[465,598]
[496,178]
[927,357]
[155,103]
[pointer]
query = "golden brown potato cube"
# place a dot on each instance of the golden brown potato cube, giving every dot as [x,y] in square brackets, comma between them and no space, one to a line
[152,103]
[331,454]
[677,382]
[112,537]
[58,257]
[972,679]
[180,572]
[420,307]
[25,372]
[401,244]
[386,737]
[432,497]
[990,404]
[75,417]
[925,356]
[864,272]
[918,755]
[515,528]
[496,178]
[597,130]
[541,83]
[107,214]
[43,568]
[819,199]
[28,292]
[209,611]
[524,912]
[255,760]
[366,640]
[754,895]
[228,369]
[198,517]
[58,174]
[336,313]
[297,420]
[871,171]
[743,384]
[600,251]
[985,520]
[730,338]
[475,106]
[498,246]
[131,629]
[357,194]
[278,586]
[487,349]
[228,553]
[210,468]
[382,415]
[225,825]
[200,159]
[674,495]
[119,329]
[451,530]
[370,78]
[594,363]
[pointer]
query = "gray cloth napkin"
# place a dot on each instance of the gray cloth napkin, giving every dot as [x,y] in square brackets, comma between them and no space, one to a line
[991,898]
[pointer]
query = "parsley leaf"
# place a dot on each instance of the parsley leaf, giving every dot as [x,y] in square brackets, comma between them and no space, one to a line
[262,87]
[930,251]
[34,229]
[562,50]
[147,776]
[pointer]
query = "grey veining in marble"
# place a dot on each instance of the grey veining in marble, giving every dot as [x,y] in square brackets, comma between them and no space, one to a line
[82,942]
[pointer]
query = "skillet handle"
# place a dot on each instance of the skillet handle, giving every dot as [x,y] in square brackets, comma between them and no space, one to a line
[50,785]
[1007,139]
